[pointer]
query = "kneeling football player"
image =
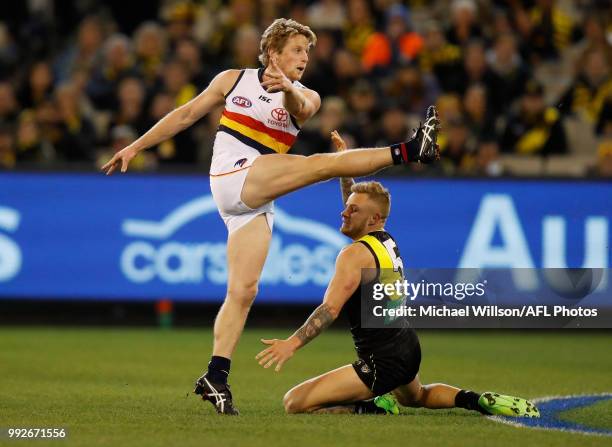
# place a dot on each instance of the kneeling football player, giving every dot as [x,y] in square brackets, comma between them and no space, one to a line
[389,358]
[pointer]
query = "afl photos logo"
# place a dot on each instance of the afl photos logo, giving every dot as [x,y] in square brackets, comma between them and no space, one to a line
[241,101]
[280,114]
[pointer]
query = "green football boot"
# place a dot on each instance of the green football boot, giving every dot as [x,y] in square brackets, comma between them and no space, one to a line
[388,403]
[500,405]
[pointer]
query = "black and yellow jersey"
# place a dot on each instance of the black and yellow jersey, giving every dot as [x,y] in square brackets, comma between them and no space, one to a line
[389,269]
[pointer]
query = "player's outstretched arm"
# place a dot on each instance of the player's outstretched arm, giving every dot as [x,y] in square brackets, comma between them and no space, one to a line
[176,121]
[346,183]
[345,281]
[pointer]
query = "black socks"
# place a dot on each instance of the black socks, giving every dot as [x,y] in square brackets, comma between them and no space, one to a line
[218,369]
[368,407]
[469,400]
[406,152]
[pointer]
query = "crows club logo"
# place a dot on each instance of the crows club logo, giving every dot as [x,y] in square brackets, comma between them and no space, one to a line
[280,114]
[241,101]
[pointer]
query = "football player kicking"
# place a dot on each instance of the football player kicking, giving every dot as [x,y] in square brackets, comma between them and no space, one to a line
[389,358]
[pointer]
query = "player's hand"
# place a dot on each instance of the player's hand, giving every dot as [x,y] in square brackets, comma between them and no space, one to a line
[275,80]
[121,158]
[279,351]
[339,143]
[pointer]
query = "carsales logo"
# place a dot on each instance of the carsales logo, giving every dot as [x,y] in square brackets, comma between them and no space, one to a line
[156,253]
[241,101]
[10,254]
[280,114]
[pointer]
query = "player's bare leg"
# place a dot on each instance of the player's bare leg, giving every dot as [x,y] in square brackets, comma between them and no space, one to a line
[247,249]
[331,392]
[437,395]
[275,175]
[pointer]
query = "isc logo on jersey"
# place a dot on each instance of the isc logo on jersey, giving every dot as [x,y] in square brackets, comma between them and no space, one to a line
[307,256]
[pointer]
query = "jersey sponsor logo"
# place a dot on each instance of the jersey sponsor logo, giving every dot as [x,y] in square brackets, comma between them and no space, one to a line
[10,253]
[240,163]
[241,101]
[279,114]
[159,251]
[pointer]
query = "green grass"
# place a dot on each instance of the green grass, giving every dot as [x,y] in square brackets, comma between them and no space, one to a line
[129,388]
[598,415]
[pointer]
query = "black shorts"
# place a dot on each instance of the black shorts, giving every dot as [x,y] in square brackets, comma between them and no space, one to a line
[383,371]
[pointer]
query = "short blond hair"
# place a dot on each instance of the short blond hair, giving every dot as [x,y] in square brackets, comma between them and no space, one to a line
[376,192]
[276,35]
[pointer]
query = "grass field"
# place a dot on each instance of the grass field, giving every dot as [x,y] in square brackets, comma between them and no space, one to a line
[128,387]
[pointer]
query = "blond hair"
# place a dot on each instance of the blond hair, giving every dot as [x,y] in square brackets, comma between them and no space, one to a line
[377,193]
[276,35]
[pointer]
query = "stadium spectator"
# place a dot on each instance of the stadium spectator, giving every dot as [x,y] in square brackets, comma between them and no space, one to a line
[131,97]
[118,63]
[364,111]
[360,26]
[441,58]
[457,154]
[393,125]
[188,53]
[464,24]
[245,48]
[331,117]
[326,15]
[487,161]
[478,119]
[412,89]
[29,143]
[534,128]
[510,72]
[476,69]
[320,68]
[182,147]
[398,44]
[591,88]
[9,108]
[39,85]
[150,48]
[84,54]
[548,30]
[74,135]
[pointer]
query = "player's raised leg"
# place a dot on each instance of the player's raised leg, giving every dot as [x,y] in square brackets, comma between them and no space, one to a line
[335,391]
[275,175]
[247,249]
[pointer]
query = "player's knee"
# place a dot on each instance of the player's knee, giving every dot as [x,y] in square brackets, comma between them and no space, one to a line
[414,400]
[291,402]
[243,293]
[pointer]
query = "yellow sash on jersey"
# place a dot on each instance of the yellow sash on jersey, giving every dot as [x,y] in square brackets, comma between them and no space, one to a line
[387,274]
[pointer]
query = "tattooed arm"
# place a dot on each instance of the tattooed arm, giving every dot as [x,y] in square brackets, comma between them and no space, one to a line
[319,320]
[345,281]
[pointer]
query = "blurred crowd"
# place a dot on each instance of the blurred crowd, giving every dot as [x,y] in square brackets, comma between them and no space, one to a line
[524,87]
